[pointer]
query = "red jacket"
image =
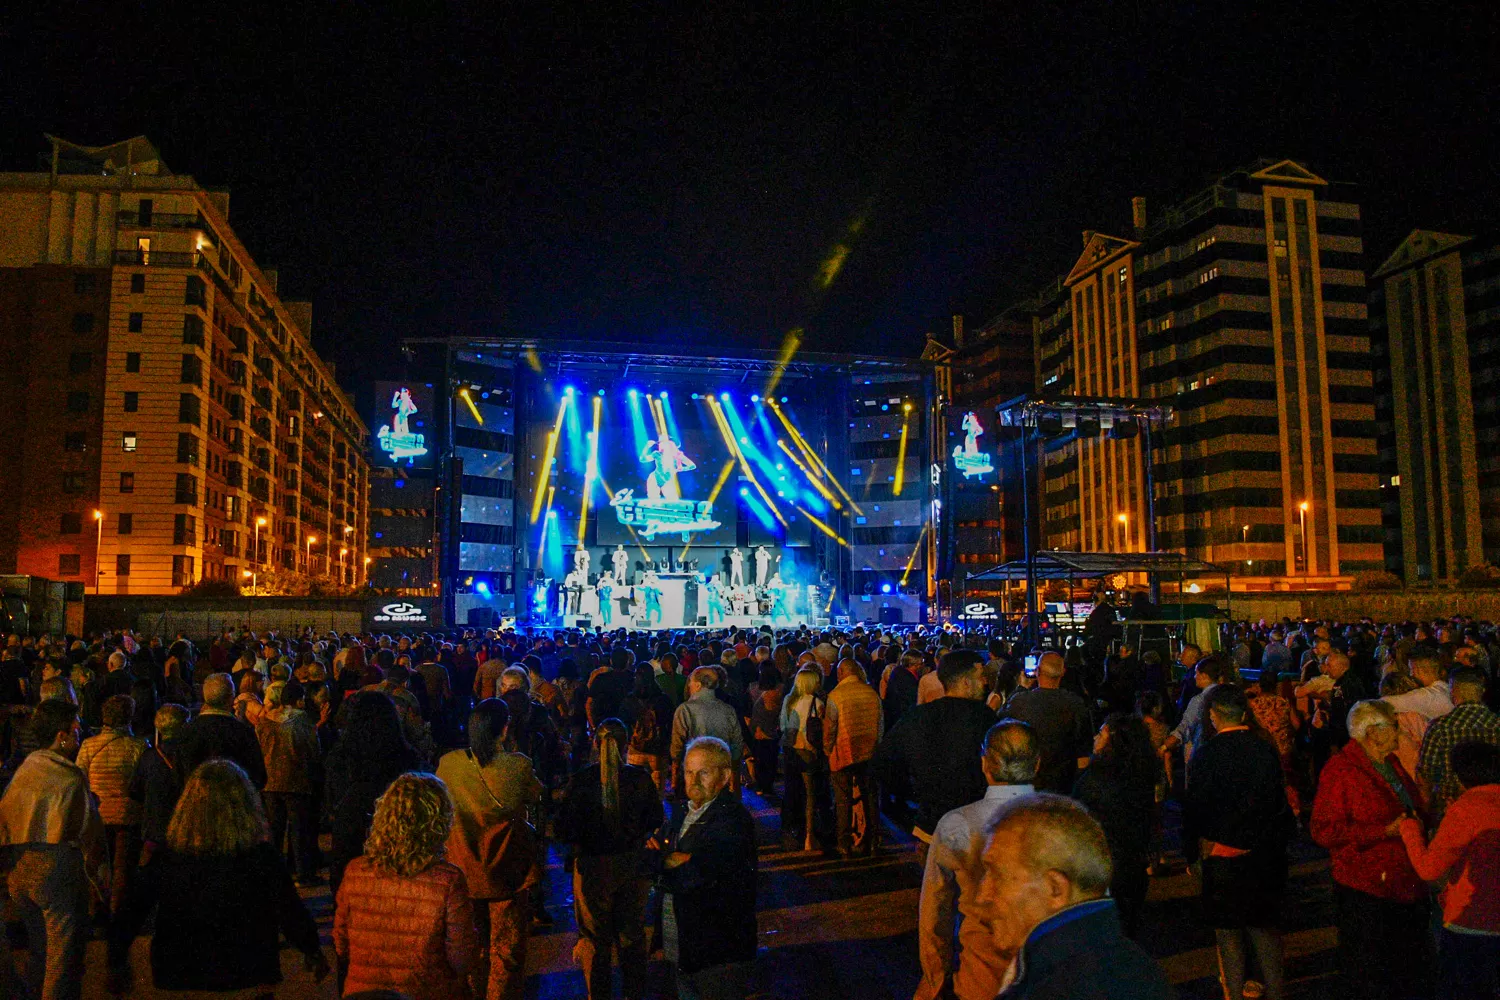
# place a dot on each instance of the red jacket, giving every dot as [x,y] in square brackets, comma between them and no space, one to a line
[1350,814]
[414,935]
[1465,855]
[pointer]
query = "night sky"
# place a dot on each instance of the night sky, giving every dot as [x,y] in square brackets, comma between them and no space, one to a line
[586,170]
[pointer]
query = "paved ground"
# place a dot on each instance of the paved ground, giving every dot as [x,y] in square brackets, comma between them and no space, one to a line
[842,929]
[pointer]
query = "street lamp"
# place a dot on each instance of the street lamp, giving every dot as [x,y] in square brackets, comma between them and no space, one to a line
[1302,530]
[342,553]
[310,540]
[1245,530]
[98,545]
[1124,520]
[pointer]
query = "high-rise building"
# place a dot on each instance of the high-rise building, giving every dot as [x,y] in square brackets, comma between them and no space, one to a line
[171,421]
[1243,308]
[1433,325]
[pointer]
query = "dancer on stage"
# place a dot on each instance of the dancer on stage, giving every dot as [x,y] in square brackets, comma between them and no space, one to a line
[715,600]
[736,567]
[651,591]
[777,589]
[606,589]
[621,560]
[762,565]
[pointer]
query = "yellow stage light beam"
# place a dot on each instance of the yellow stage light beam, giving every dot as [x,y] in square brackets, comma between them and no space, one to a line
[789,348]
[825,529]
[464,395]
[816,482]
[829,606]
[734,447]
[814,462]
[551,450]
[812,469]
[913,560]
[901,454]
[590,470]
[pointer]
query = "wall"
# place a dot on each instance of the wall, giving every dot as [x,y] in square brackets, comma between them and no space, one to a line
[1382,607]
[204,618]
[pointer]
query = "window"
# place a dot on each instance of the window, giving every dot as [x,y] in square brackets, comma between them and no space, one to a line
[79,362]
[187,448]
[182,571]
[137,283]
[1395,480]
[127,482]
[143,211]
[137,322]
[78,402]
[184,529]
[197,291]
[69,564]
[83,322]
[72,524]
[83,284]
[188,409]
[132,402]
[187,489]
[192,330]
[126,524]
[133,362]
[128,441]
[72,482]
[75,441]
[1209,275]
[192,369]
[122,564]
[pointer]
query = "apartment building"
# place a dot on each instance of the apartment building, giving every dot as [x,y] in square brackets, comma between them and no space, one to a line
[1435,332]
[1243,308]
[176,424]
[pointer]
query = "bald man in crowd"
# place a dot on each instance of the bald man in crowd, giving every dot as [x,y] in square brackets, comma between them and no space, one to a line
[1060,719]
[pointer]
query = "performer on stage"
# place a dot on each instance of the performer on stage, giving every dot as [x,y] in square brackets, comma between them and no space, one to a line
[606,592]
[715,600]
[572,592]
[762,565]
[621,560]
[588,601]
[651,591]
[581,562]
[777,589]
[736,567]
[667,460]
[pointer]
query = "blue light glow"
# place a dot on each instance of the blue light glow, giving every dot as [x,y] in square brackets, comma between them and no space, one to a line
[885,588]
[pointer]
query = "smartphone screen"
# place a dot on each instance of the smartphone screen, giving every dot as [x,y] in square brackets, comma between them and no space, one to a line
[1031,664]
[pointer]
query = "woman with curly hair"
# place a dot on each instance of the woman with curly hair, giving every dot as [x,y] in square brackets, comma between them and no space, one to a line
[403,920]
[223,894]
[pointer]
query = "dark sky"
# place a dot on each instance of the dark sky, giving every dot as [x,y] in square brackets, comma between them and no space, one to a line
[631,172]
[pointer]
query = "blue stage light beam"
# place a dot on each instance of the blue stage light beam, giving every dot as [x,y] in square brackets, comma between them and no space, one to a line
[638,423]
[758,509]
[577,448]
[552,548]
[764,465]
[666,410]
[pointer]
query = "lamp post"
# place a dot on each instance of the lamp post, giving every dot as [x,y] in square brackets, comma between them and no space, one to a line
[368,560]
[98,545]
[342,553]
[1124,520]
[310,540]
[260,522]
[1302,531]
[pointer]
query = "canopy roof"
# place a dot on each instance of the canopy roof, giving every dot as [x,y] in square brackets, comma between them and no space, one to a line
[1056,564]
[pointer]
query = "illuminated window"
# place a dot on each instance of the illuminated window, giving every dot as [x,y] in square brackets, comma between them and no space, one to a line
[128,441]
[1395,480]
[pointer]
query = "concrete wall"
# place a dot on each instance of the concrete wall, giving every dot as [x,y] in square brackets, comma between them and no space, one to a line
[204,618]
[1383,607]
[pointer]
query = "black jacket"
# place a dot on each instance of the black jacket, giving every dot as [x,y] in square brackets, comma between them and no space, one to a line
[580,819]
[1064,733]
[225,736]
[714,893]
[219,922]
[1081,954]
[156,785]
[900,696]
[1123,804]
[937,746]
[1236,795]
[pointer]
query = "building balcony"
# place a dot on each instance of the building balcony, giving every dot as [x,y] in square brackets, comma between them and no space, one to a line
[128,219]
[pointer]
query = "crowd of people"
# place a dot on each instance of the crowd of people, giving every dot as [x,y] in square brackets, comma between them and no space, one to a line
[194,787]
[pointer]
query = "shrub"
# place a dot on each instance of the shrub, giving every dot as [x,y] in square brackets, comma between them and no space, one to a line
[1481,577]
[1377,579]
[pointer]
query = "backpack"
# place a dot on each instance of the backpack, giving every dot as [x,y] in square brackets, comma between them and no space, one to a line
[815,727]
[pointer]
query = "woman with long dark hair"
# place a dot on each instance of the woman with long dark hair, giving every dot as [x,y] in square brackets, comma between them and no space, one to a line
[370,752]
[608,811]
[1119,788]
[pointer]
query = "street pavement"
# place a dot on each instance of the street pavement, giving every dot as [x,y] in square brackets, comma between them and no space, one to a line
[839,929]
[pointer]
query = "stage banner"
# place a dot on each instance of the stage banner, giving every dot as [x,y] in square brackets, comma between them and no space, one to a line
[403,614]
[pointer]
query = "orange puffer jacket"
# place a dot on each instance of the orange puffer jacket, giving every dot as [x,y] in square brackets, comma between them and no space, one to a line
[411,934]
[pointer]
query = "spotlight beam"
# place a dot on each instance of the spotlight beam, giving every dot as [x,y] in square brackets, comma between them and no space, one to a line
[901,458]
[464,395]
[813,461]
[816,482]
[825,529]
[591,470]
[546,525]
[541,485]
[734,448]
[915,549]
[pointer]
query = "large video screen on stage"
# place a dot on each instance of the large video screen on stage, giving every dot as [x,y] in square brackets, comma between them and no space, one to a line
[676,466]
